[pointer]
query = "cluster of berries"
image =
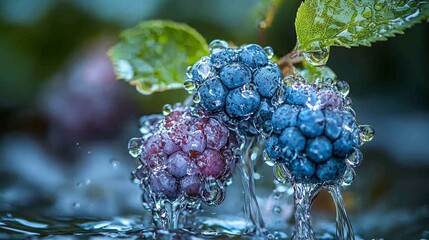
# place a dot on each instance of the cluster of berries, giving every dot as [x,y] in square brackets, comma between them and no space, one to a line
[310,127]
[183,149]
[314,132]
[238,82]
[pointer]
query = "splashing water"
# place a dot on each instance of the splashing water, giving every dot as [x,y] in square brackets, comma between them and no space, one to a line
[252,210]
[304,194]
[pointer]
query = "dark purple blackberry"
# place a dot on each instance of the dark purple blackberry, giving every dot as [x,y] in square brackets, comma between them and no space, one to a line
[182,151]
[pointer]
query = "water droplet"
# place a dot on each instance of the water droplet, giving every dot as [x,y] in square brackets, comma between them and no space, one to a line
[317,57]
[114,162]
[196,98]
[167,109]
[289,80]
[189,71]
[348,177]
[204,68]
[256,176]
[134,146]
[267,159]
[328,81]
[343,87]
[367,12]
[348,102]
[366,133]
[189,85]
[217,44]
[281,173]
[355,158]
[279,97]
[378,6]
[269,51]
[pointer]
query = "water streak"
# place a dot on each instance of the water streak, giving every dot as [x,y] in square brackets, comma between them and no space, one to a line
[344,227]
[251,207]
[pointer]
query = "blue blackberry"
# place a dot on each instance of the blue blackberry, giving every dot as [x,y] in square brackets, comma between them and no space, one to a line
[238,82]
[314,133]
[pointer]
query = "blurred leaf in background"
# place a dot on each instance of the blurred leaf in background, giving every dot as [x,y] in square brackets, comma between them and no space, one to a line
[154,55]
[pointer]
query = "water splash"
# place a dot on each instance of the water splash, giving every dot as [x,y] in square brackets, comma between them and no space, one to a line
[344,228]
[252,210]
[304,195]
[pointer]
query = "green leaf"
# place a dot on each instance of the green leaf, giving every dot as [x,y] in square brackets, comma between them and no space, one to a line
[154,55]
[347,23]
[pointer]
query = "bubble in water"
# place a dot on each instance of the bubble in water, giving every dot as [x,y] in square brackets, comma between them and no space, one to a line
[267,159]
[269,51]
[189,85]
[355,158]
[189,71]
[134,147]
[89,152]
[217,45]
[367,12]
[348,177]
[76,205]
[317,57]
[213,192]
[366,133]
[196,98]
[343,87]
[167,109]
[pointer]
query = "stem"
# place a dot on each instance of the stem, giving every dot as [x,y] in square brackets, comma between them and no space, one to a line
[295,56]
[251,207]
[304,194]
[286,63]
[344,227]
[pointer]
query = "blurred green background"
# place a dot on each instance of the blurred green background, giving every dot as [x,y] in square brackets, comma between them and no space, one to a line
[58,92]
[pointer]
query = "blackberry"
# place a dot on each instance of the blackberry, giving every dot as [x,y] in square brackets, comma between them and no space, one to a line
[182,151]
[315,134]
[238,82]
